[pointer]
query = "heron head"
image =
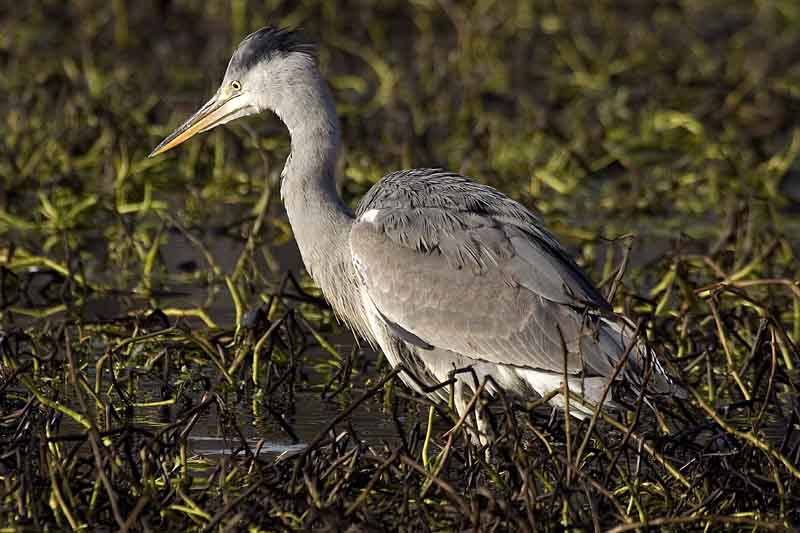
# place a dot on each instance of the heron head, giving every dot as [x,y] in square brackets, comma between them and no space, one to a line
[265,69]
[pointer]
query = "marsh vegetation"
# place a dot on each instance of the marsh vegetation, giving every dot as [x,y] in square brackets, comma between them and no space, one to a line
[165,363]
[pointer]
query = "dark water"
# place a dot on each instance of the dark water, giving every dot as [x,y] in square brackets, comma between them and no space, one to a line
[213,434]
[310,415]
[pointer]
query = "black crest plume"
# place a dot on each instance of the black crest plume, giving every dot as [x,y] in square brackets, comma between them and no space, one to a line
[266,43]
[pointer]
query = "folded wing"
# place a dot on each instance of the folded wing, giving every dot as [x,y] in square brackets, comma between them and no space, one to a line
[456,265]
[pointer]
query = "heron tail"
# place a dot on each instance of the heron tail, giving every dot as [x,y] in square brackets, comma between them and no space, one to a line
[615,337]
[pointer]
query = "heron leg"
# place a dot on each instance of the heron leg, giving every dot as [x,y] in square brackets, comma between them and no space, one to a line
[485,432]
[478,425]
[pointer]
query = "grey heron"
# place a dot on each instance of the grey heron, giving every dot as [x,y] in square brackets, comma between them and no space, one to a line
[439,271]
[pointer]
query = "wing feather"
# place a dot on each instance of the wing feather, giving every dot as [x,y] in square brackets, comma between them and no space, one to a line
[456,265]
[472,289]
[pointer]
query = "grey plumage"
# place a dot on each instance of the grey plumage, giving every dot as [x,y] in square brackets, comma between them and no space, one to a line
[437,270]
[461,267]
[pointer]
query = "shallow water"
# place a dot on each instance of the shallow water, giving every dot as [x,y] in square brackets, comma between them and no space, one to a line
[310,414]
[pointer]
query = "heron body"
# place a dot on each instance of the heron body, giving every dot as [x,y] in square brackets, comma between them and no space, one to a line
[439,271]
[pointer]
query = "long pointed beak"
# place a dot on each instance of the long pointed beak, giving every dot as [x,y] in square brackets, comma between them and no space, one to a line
[213,113]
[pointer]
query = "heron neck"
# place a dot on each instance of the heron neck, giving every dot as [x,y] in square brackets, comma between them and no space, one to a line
[319,218]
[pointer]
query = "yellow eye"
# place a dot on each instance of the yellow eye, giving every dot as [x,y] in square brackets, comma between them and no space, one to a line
[236,85]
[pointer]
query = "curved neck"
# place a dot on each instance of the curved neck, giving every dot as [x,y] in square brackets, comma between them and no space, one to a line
[310,116]
[319,218]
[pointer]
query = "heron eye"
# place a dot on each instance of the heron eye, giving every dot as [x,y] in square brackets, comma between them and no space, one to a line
[236,85]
